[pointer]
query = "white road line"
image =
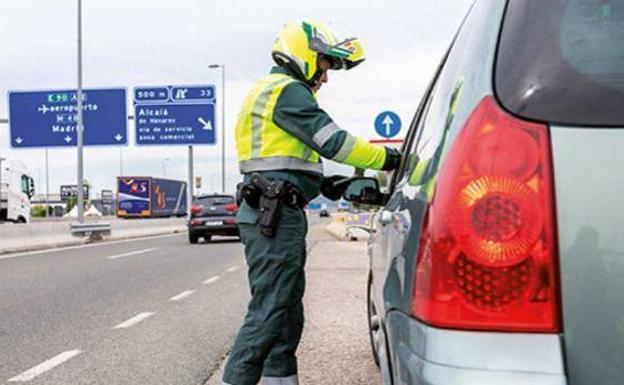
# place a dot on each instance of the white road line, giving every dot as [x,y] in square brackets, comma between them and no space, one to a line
[45,366]
[182,295]
[211,280]
[134,320]
[137,252]
[56,250]
[232,269]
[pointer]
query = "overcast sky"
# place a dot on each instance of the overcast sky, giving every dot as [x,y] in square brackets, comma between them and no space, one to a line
[162,42]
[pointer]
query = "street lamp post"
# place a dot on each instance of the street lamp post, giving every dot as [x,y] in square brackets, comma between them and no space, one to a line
[222,66]
[80,126]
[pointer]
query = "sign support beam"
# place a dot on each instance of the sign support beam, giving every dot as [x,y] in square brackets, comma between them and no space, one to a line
[47,188]
[189,186]
[80,126]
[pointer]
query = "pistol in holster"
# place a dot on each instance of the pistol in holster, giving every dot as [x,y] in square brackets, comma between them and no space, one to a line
[266,196]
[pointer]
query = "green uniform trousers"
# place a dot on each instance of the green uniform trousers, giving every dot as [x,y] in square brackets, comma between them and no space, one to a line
[267,342]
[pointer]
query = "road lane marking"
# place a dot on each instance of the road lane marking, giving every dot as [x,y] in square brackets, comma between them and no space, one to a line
[56,250]
[182,295]
[211,280]
[43,367]
[134,320]
[232,269]
[137,252]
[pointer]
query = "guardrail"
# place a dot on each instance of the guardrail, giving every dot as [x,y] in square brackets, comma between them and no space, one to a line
[41,235]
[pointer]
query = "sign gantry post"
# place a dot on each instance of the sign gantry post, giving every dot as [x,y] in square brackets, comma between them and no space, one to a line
[80,123]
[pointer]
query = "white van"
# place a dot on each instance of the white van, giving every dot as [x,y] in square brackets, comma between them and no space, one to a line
[16,190]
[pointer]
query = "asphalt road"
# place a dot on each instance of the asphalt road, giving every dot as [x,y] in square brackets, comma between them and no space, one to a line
[149,311]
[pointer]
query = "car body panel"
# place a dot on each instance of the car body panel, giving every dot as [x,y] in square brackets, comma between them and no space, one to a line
[429,356]
[589,185]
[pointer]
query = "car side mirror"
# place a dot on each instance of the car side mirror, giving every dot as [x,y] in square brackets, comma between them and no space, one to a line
[364,191]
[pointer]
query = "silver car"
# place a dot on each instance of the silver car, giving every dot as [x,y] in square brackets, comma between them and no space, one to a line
[497,258]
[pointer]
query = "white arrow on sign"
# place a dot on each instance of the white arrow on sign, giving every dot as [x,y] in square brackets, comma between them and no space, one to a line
[19,140]
[388,122]
[68,139]
[206,125]
[118,137]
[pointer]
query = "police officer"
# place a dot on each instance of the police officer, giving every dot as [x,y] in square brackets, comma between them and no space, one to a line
[281,135]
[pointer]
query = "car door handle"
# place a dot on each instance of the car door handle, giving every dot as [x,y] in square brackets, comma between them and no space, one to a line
[386,217]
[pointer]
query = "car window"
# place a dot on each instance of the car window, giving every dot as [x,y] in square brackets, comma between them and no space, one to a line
[215,201]
[457,87]
[24,184]
[415,130]
[563,61]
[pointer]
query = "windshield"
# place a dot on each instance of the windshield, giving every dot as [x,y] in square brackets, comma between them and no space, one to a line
[562,61]
[215,201]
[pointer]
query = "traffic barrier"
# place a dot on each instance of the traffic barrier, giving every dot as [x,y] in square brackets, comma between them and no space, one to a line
[43,235]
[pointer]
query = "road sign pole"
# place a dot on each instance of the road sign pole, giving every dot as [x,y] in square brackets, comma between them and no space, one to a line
[79,126]
[47,184]
[189,187]
[223,128]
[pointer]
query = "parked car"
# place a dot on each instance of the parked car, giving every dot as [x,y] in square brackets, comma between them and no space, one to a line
[497,256]
[213,215]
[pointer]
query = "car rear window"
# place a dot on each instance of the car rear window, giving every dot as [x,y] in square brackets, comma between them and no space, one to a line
[562,61]
[215,201]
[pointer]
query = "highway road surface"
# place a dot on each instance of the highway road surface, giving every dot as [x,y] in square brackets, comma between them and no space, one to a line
[148,311]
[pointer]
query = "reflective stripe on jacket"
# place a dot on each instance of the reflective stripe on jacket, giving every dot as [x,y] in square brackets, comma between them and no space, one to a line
[281,127]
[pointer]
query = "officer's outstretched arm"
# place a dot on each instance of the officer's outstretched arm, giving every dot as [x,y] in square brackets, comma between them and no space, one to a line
[297,112]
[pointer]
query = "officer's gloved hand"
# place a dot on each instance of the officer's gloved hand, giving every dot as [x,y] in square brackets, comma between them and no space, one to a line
[332,188]
[393,159]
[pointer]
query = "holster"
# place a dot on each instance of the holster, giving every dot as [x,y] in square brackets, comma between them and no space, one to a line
[267,197]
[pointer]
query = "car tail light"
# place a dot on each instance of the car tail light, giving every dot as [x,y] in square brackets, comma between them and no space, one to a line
[231,207]
[487,258]
[196,209]
[229,221]
[197,222]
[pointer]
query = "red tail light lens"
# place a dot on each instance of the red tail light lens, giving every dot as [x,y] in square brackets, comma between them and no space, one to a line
[231,207]
[196,209]
[487,256]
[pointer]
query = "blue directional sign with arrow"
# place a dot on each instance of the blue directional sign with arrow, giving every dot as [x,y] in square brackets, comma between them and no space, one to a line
[387,124]
[48,118]
[175,115]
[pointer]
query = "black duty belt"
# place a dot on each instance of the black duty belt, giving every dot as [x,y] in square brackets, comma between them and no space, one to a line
[267,196]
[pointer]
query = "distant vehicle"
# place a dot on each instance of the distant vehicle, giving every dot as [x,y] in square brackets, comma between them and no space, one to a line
[16,190]
[498,257]
[343,206]
[323,213]
[147,197]
[314,206]
[213,215]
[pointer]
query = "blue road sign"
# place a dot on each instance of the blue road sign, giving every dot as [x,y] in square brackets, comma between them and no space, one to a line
[48,118]
[387,124]
[175,115]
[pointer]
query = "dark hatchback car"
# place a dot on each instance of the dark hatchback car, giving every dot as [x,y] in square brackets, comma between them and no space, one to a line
[213,215]
[497,257]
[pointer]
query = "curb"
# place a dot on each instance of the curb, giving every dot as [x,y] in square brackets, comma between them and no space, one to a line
[86,241]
